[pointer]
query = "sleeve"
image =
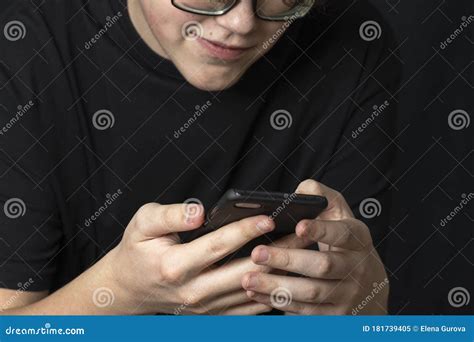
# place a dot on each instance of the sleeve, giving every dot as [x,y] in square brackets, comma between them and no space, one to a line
[362,168]
[30,229]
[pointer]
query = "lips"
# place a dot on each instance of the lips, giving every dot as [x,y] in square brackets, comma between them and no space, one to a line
[222,51]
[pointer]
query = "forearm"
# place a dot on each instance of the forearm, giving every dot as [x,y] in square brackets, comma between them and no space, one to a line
[94,292]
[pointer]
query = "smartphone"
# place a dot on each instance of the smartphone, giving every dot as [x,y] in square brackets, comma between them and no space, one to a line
[286,209]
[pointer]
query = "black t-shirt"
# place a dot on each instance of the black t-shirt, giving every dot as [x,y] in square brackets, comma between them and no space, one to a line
[94,124]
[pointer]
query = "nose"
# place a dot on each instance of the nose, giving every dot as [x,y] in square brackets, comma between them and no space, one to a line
[240,20]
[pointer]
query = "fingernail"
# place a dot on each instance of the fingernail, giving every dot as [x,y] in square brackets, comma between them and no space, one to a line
[262,255]
[265,225]
[251,282]
[250,293]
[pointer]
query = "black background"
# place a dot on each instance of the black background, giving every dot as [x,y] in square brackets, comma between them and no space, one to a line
[435,167]
[425,260]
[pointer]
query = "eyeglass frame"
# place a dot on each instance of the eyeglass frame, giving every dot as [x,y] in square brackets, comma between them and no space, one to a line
[235,2]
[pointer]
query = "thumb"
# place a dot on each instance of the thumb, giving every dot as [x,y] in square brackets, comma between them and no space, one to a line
[154,220]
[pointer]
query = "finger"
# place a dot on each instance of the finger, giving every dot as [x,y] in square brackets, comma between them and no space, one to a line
[313,264]
[337,206]
[226,301]
[228,278]
[348,233]
[153,220]
[293,307]
[198,254]
[292,241]
[300,289]
[247,309]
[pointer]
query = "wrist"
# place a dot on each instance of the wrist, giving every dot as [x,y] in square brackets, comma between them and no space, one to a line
[116,292]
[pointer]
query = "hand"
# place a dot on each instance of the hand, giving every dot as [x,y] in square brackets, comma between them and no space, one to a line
[154,272]
[345,276]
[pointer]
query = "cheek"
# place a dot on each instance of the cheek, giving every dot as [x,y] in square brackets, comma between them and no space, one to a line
[165,21]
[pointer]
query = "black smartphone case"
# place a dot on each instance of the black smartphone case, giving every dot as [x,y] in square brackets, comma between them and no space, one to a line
[286,210]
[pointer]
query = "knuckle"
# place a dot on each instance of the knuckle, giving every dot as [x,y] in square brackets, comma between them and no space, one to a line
[324,265]
[284,258]
[338,195]
[167,218]
[313,294]
[143,215]
[318,229]
[194,301]
[146,208]
[362,232]
[171,274]
[190,301]
[200,310]
[346,235]
[311,186]
[248,229]
[217,246]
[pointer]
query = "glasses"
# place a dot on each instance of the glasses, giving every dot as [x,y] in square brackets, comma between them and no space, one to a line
[273,10]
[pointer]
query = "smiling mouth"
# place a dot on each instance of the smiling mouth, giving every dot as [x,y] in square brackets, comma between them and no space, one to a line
[222,51]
